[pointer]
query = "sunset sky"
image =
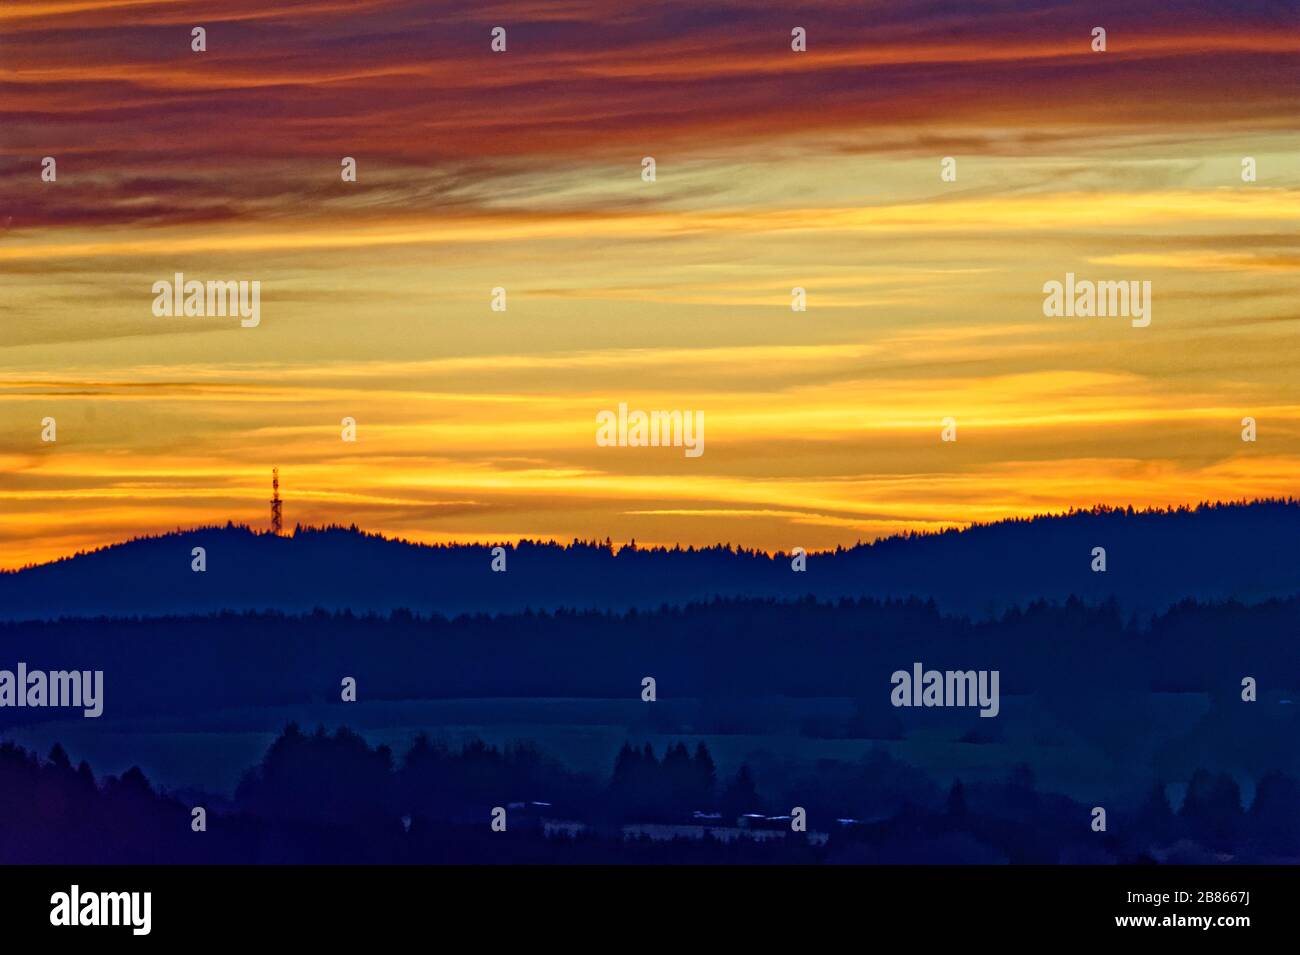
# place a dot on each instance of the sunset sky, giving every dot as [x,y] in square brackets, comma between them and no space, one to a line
[522,169]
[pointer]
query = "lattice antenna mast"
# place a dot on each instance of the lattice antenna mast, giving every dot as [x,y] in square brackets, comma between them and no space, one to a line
[277,516]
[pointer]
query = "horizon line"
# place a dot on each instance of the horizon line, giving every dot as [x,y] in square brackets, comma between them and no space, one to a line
[617,547]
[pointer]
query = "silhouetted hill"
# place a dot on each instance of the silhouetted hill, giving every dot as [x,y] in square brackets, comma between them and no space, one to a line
[1154,558]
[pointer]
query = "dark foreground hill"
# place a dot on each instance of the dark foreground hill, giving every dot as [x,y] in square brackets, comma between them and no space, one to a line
[317,798]
[1247,552]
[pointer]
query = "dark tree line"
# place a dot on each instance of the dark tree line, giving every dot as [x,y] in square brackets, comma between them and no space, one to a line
[332,798]
[719,650]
